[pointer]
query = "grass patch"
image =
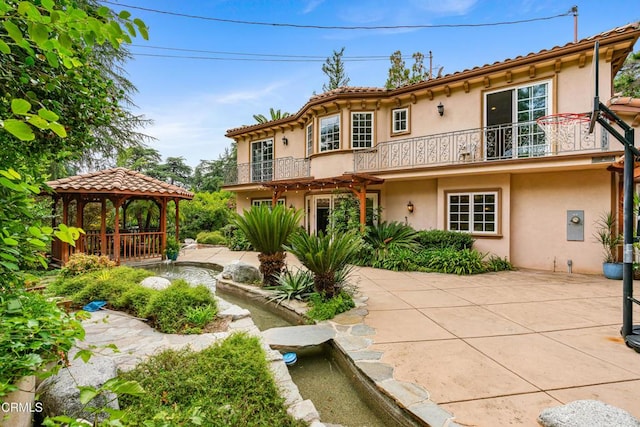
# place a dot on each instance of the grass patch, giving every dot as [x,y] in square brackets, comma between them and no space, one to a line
[228,384]
[322,309]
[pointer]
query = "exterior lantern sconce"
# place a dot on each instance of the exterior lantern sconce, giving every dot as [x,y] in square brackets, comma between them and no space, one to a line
[410,207]
[441,109]
[285,141]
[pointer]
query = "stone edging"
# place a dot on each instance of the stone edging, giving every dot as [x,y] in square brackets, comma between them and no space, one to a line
[350,337]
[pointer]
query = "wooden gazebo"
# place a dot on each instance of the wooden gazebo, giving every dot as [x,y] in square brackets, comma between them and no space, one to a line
[121,187]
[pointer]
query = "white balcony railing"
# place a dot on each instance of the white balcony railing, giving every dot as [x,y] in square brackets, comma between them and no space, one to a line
[495,143]
[267,170]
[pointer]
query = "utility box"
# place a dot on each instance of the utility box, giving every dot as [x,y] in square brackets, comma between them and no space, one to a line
[575,226]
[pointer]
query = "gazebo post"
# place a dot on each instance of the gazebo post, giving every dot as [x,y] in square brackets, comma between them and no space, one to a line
[177,203]
[80,246]
[116,232]
[163,226]
[65,219]
[103,227]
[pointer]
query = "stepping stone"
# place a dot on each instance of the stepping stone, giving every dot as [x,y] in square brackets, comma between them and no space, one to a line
[292,337]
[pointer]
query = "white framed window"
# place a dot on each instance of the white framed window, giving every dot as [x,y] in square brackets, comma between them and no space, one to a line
[473,212]
[362,129]
[309,139]
[400,120]
[262,160]
[260,202]
[330,133]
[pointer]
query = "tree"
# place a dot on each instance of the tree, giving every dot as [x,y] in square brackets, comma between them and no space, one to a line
[210,175]
[139,158]
[269,229]
[61,97]
[275,115]
[627,82]
[400,75]
[174,171]
[334,69]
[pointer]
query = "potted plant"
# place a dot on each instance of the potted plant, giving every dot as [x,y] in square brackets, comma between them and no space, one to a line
[607,235]
[172,249]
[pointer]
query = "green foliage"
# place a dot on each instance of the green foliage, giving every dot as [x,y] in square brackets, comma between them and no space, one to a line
[268,228]
[627,81]
[211,238]
[324,309]
[400,75]
[333,67]
[440,239]
[290,285]
[496,263]
[274,115]
[172,248]
[236,240]
[134,300]
[198,317]
[34,333]
[167,310]
[448,260]
[108,284]
[23,239]
[80,263]
[207,211]
[385,237]
[327,256]
[227,384]
[607,235]
[61,97]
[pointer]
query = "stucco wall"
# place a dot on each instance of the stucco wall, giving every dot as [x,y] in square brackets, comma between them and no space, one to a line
[421,193]
[539,204]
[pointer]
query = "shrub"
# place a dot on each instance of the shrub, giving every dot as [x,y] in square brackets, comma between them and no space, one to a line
[386,237]
[290,285]
[80,263]
[211,238]
[228,384]
[448,260]
[324,309]
[34,333]
[496,263]
[167,309]
[135,300]
[403,260]
[236,240]
[441,239]
[198,317]
[108,285]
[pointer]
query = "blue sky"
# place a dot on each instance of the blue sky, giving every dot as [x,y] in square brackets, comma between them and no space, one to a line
[194,101]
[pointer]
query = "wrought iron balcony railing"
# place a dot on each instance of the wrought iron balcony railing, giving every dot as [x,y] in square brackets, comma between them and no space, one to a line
[495,143]
[267,170]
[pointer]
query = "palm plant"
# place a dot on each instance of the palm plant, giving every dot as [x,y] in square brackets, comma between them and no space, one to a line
[327,256]
[386,237]
[268,230]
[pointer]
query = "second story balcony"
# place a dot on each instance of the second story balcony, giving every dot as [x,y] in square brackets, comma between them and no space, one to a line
[488,144]
[267,170]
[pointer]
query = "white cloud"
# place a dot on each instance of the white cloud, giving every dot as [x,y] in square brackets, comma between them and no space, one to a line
[312,5]
[445,7]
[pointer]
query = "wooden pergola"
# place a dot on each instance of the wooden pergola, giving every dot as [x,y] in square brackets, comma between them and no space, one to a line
[121,187]
[355,182]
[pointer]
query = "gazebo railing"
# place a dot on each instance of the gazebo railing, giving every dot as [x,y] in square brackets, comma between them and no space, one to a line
[133,246]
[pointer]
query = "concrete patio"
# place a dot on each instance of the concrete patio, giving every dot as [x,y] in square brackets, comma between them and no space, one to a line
[498,348]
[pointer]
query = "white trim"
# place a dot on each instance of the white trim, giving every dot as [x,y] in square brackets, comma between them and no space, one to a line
[320,126]
[372,128]
[471,213]
[394,121]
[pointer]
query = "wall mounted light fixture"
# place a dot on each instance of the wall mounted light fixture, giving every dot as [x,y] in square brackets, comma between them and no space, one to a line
[285,141]
[441,109]
[410,207]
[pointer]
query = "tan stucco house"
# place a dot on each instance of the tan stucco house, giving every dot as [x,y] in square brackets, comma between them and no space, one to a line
[459,152]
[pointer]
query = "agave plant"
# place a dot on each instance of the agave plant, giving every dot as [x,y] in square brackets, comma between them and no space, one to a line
[327,256]
[268,230]
[385,237]
[292,285]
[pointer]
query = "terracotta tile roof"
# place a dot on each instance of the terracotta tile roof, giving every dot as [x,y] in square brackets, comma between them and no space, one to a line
[118,181]
[347,91]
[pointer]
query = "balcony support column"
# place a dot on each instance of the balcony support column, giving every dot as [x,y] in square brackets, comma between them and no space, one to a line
[361,194]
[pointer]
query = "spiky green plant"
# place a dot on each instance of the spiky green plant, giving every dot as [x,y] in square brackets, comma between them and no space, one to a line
[388,236]
[268,229]
[327,256]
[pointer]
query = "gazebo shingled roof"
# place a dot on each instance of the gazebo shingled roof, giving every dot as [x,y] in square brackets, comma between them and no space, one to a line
[118,181]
